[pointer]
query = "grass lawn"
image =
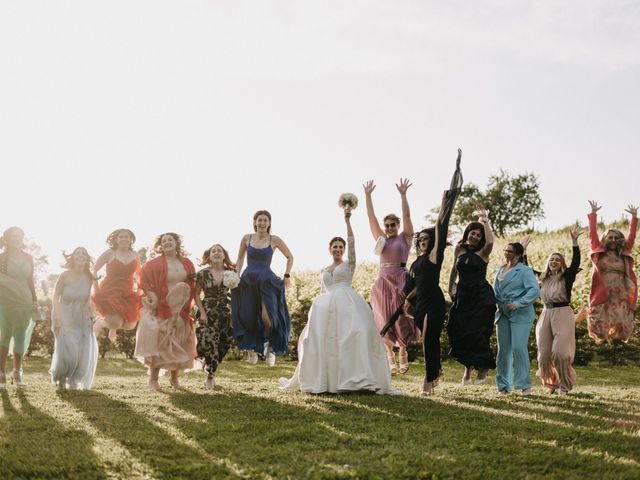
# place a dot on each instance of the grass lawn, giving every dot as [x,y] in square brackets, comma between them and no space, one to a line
[248,428]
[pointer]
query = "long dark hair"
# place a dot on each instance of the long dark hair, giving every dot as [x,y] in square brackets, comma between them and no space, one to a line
[465,236]
[429,231]
[518,249]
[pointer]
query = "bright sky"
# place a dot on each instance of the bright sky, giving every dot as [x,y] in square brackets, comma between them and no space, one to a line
[191,115]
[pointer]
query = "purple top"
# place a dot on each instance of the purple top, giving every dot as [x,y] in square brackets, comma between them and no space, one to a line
[395,250]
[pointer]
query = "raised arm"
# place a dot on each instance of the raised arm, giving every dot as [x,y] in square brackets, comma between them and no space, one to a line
[351,244]
[593,226]
[488,233]
[633,226]
[453,275]
[242,250]
[575,250]
[407,228]
[280,245]
[447,204]
[374,225]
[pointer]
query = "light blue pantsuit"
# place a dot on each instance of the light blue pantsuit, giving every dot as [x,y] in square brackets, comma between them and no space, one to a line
[520,287]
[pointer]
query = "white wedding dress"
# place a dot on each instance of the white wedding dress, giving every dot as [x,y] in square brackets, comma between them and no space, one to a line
[340,349]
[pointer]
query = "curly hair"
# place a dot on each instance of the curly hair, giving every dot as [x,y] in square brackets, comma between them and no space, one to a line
[113,236]
[255,217]
[156,249]
[69,263]
[206,258]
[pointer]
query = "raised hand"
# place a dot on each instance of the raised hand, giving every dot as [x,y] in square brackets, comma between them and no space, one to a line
[575,233]
[594,206]
[347,213]
[525,241]
[481,211]
[369,187]
[632,210]
[404,185]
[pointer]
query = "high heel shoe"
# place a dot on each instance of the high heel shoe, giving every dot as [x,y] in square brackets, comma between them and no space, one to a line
[252,357]
[427,388]
[391,358]
[210,382]
[483,376]
[3,381]
[403,360]
[16,377]
[466,376]
[270,358]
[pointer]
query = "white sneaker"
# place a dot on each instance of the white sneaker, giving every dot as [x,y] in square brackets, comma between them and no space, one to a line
[270,359]
[252,357]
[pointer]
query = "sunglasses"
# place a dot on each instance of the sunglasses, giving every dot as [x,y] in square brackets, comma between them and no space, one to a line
[509,251]
[423,239]
[390,225]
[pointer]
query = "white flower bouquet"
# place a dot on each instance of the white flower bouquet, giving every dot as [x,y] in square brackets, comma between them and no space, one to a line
[230,279]
[348,200]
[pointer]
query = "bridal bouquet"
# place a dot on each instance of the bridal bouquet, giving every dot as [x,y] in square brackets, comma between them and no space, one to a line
[348,200]
[230,279]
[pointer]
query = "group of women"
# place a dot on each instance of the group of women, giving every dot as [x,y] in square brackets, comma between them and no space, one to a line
[346,345]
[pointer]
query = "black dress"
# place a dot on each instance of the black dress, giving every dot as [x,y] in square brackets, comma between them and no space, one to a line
[429,308]
[214,338]
[472,314]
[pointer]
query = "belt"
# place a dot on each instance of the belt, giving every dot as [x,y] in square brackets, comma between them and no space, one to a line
[393,264]
[556,304]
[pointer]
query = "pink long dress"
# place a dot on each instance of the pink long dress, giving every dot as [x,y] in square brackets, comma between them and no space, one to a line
[387,295]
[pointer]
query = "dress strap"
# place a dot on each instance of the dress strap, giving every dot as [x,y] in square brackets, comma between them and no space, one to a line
[249,241]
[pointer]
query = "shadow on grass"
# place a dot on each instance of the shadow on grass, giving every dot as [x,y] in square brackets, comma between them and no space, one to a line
[399,437]
[35,445]
[166,453]
[532,440]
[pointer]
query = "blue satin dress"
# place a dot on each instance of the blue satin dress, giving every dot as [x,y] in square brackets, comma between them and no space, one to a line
[258,286]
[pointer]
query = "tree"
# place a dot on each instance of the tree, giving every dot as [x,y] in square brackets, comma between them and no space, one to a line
[512,201]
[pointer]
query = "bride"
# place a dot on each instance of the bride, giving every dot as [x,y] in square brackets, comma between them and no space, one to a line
[340,349]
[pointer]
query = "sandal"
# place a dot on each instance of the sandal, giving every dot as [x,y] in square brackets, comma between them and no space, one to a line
[392,362]
[403,360]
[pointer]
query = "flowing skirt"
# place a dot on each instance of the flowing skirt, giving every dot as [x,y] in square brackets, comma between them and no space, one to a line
[16,314]
[340,349]
[75,355]
[386,297]
[257,288]
[167,343]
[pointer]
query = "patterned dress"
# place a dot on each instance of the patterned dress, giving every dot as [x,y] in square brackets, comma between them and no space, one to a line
[214,338]
[613,319]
